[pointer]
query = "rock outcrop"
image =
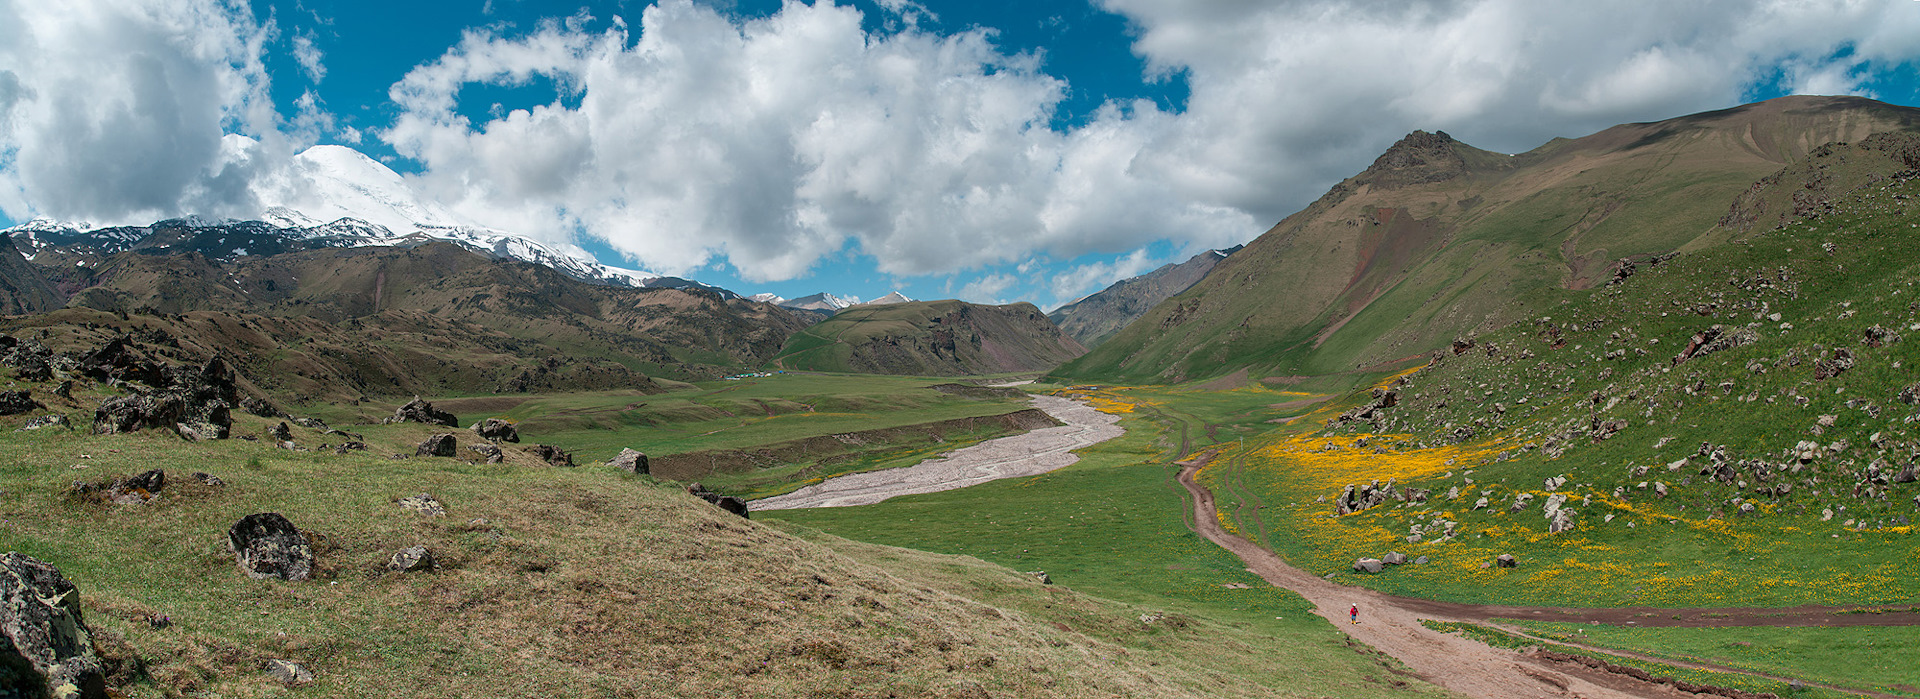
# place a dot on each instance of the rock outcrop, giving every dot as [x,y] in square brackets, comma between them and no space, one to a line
[724,502]
[266,545]
[418,410]
[630,461]
[49,650]
[437,445]
[497,430]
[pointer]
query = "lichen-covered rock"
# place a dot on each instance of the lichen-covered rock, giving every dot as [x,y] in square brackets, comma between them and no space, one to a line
[411,558]
[424,503]
[552,455]
[1369,565]
[266,545]
[437,445]
[258,407]
[491,453]
[288,672]
[46,421]
[137,412]
[418,410]
[18,402]
[630,461]
[48,650]
[497,430]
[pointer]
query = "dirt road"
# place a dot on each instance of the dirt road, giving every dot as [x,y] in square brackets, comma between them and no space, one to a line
[1448,660]
[1027,454]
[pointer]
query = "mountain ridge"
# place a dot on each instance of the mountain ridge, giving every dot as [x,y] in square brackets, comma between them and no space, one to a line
[930,338]
[1438,240]
[1096,317]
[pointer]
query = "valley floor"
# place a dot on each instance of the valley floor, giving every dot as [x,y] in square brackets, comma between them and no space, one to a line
[1026,454]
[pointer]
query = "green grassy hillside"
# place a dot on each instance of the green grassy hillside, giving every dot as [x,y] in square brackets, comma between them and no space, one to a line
[930,338]
[1734,426]
[1439,240]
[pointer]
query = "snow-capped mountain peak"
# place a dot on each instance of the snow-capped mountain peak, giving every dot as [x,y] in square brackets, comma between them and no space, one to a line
[335,196]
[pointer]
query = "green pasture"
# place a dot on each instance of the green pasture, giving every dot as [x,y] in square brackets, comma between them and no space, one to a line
[1875,658]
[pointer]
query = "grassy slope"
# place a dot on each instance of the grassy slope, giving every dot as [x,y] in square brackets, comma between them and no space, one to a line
[575,581]
[1112,526]
[1380,269]
[1531,393]
[1841,656]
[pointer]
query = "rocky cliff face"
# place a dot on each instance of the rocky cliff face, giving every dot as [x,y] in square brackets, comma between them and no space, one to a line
[23,288]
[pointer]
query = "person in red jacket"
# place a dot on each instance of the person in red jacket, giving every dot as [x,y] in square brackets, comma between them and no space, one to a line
[1353,613]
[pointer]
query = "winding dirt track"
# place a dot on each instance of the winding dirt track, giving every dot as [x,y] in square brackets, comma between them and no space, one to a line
[1448,660]
[1392,624]
[1019,455]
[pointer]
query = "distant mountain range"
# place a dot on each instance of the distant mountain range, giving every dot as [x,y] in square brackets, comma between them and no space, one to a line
[1093,319]
[828,303]
[344,200]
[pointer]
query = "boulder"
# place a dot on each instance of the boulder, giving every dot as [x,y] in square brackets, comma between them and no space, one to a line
[418,410]
[437,445]
[552,455]
[630,461]
[1369,565]
[281,433]
[266,545]
[45,421]
[137,490]
[724,502]
[732,504]
[121,360]
[496,429]
[1394,558]
[1907,474]
[17,402]
[288,672]
[257,407]
[1506,560]
[424,503]
[491,453]
[1420,561]
[411,558]
[48,650]
[137,412]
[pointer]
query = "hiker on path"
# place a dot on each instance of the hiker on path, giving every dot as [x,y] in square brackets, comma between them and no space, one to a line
[1353,613]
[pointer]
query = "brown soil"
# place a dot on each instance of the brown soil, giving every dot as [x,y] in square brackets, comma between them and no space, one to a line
[1392,624]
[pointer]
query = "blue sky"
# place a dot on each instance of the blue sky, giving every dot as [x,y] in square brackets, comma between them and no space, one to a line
[994,151]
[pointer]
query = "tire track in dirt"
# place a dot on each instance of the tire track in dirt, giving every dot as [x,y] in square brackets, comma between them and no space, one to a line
[1032,453]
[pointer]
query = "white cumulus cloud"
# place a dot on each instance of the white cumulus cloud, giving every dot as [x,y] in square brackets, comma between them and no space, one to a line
[118,110]
[773,142]
[1289,96]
